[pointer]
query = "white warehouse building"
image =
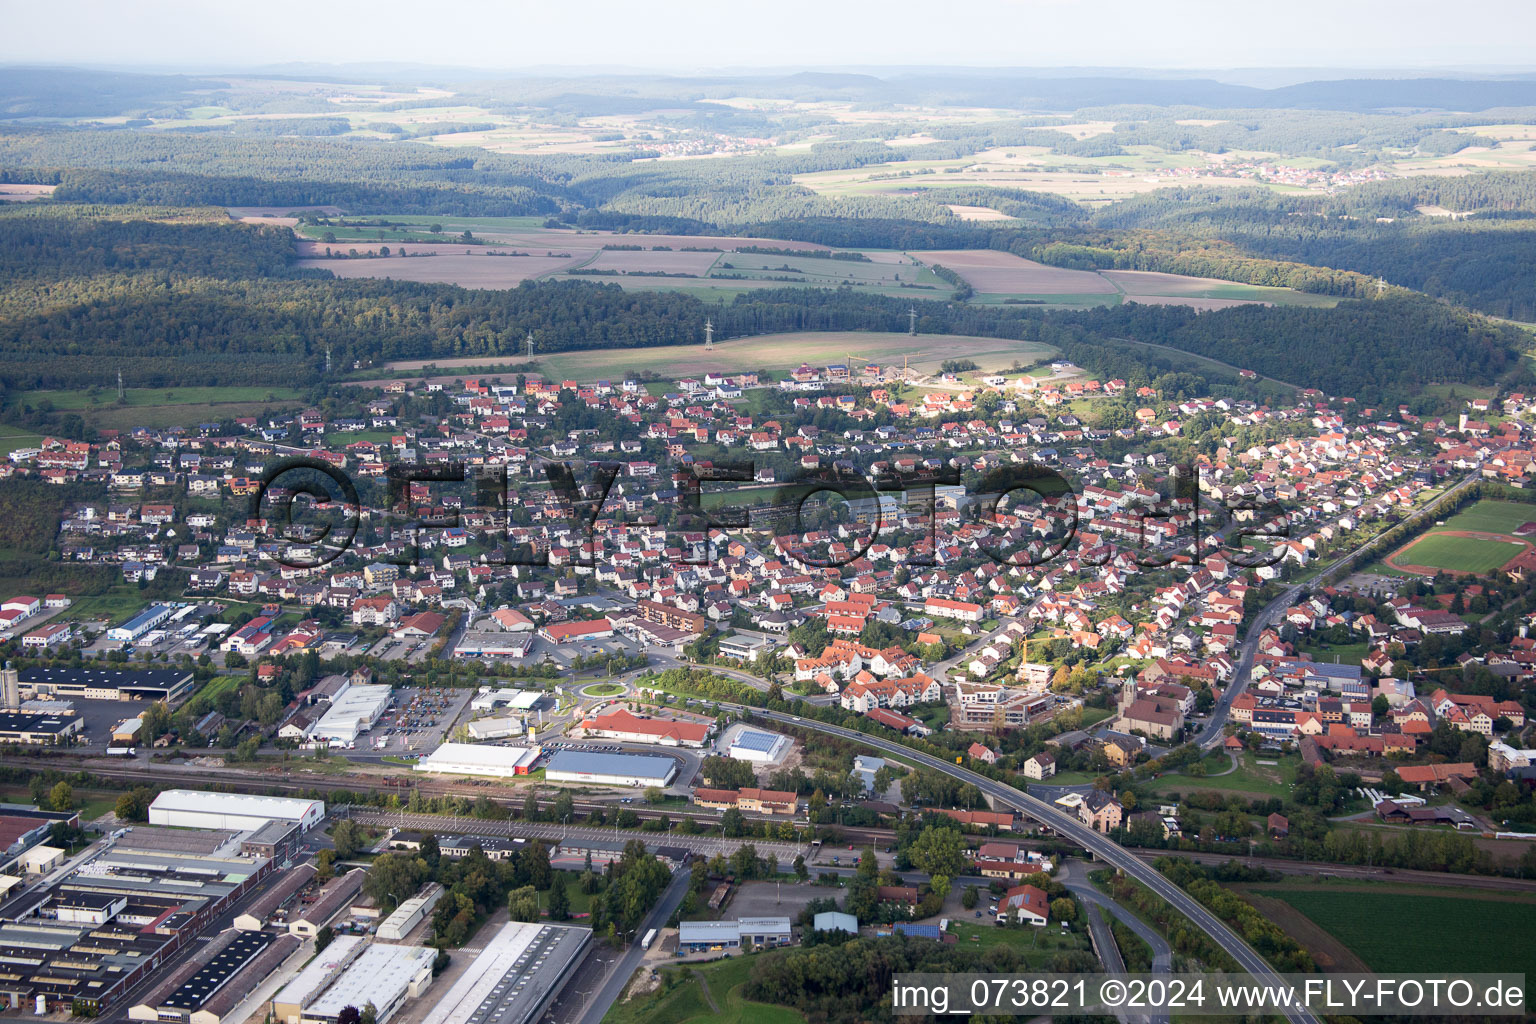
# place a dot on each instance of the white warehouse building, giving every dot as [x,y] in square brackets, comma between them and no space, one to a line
[353,711]
[240,812]
[756,745]
[479,759]
[384,975]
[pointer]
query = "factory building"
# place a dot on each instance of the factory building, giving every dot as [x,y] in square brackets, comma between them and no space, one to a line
[758,932]
[517,975]
[39,728]
[167,684]
[305,987]
[140,624]
[262,910]
[334,898]
[241,812]
[100,933]
[384,975]
[409,914]
[835,921]
[210,987]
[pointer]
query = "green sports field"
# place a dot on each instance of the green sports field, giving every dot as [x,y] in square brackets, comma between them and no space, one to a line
[1493,517]
[1458,554]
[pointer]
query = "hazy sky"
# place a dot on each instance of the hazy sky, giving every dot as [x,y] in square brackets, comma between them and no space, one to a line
[689,35]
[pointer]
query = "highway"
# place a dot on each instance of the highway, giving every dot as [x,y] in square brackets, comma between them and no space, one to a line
[1102,847]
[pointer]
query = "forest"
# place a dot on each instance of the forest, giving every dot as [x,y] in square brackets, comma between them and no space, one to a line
[176,296]
[1482,260]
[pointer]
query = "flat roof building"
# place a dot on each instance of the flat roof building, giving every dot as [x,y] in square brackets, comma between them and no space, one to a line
[518,700]
[495,643]
[409,914]
[479,759]
[518,973]
[353,711]
[495,727]
[167,684]
[611,769]
[756,745]
[760,932]
[382,974]
[304,987]
[39,728]
[242,812]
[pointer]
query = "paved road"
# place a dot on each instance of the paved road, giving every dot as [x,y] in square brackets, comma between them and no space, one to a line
[619,973]
[1270,614]
[1074,875]
[1102,847]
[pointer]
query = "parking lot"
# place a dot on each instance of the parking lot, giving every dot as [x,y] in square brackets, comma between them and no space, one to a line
[562,655]
[769,899]
[390,649]
[418,721]
[101,716]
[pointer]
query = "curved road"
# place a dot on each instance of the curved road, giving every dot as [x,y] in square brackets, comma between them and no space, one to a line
[1102,847]
[1270,614]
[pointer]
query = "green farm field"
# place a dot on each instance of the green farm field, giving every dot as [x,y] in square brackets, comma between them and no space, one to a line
[707,992]
[772,352]
[12,438]
[106,398]
[1470,931]
[151,407]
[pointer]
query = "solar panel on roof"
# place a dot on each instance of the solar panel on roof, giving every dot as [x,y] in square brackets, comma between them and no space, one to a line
[749,740]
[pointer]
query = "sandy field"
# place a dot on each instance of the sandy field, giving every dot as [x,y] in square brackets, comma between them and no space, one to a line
[244,212]
[770,351]
[1003,273]
[24,193]
[976,212]
[541,238]
[1192,302]
[316,250]
[478,271]
[1151,282]
[673,262]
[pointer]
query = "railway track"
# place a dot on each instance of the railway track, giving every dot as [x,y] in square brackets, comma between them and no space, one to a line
[856,835]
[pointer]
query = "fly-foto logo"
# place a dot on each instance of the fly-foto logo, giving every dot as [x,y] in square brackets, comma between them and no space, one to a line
[1025,515]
